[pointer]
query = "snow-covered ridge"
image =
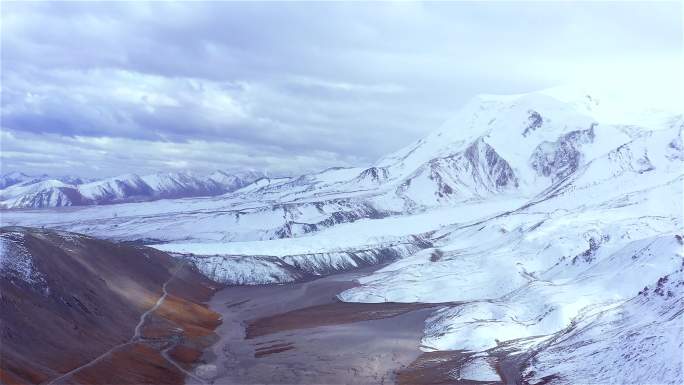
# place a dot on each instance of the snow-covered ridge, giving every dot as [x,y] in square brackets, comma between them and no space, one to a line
[16,262]
[22,191]
[287,260]
[643,334]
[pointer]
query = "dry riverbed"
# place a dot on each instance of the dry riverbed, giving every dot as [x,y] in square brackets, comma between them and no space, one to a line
[301,334]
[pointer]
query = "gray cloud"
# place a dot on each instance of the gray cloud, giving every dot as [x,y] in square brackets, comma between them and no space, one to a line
[289,86]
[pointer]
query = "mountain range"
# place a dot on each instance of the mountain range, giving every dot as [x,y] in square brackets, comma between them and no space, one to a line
[19,190]
[551,221]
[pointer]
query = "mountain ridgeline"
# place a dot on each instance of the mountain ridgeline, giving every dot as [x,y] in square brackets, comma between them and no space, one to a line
[19,190]
[495,147]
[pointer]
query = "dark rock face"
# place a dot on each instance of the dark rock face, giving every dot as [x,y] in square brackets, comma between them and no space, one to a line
[491,166]
[561,158]
[479,169]
[364,210]
[476,171]
[535,121]
[373,174]
[589,254]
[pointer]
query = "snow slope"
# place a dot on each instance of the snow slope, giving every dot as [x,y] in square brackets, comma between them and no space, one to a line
[643,334]
[566,280]
[290,259]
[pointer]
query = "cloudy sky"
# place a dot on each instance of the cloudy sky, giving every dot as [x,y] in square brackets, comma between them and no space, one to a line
[99,89]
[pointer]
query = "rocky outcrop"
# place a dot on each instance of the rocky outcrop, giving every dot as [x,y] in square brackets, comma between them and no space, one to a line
[477,171]
[374,175]
[561,158]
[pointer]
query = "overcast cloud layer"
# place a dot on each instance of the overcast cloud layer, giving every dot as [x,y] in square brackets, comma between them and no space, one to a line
[99,89]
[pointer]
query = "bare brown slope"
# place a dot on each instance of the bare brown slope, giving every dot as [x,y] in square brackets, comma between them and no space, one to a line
[89,298]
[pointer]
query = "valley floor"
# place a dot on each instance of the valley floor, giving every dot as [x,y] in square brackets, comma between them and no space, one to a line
[300,333]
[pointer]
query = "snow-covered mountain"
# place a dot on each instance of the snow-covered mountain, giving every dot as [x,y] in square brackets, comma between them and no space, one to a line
[129,186]
[23,191]
[554,217]
[16,177]
[235,180]
[13,178]
[42,193]
[495,147]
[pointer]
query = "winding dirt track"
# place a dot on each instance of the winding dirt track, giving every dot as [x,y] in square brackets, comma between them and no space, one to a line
[165,354]
[301,334]
[143,317]
[97,359]
[135,338]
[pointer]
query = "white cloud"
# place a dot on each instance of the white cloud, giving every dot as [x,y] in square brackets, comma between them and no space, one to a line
[295,85]
[97,156]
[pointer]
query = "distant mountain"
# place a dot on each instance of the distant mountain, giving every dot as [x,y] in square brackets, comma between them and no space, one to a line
[24,191]
[13,178]
[116,189]
[16,177]
[37,194]
[234,181]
